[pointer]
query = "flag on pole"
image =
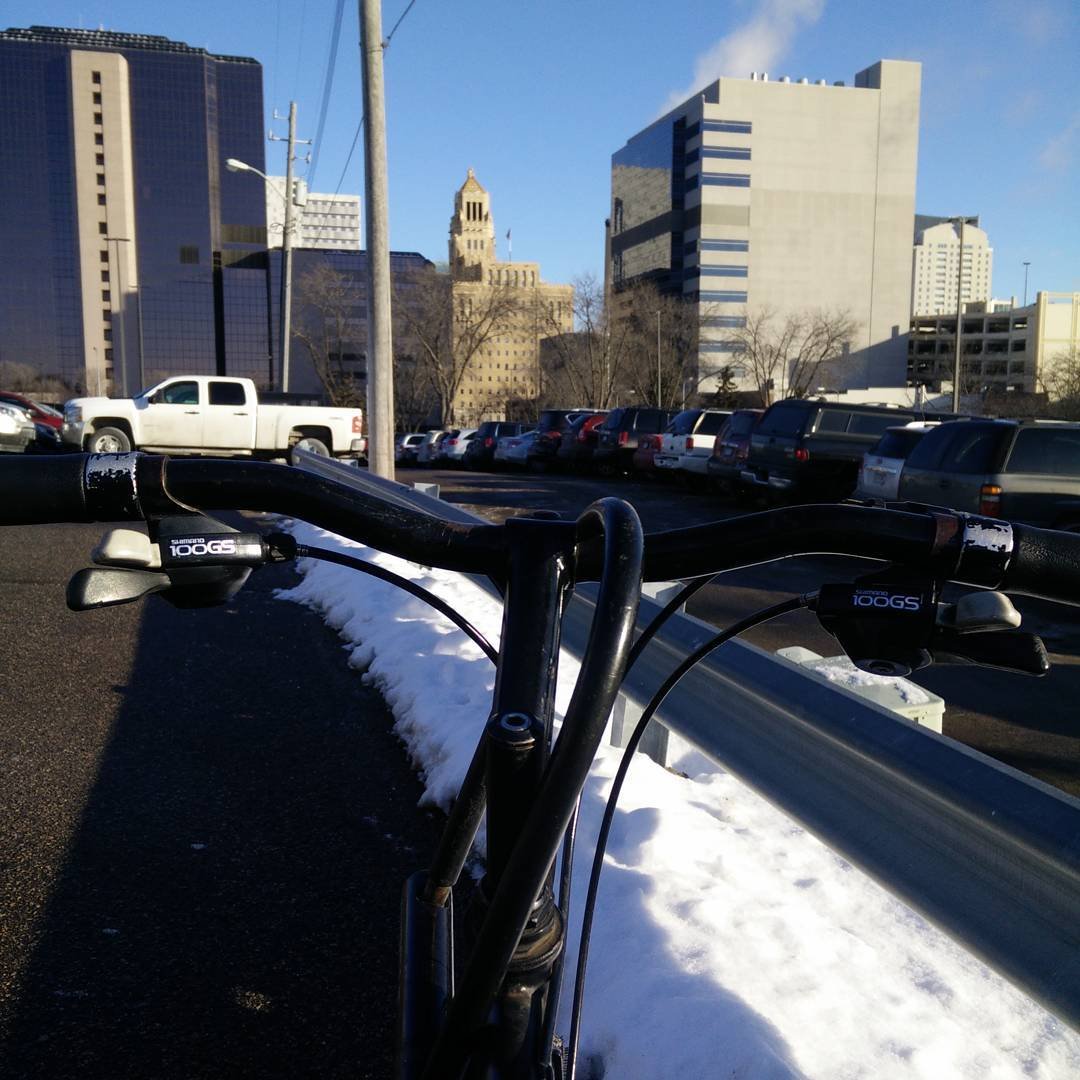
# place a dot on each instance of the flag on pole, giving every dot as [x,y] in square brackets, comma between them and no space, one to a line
[509,247]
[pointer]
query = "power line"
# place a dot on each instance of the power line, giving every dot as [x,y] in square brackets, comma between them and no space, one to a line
[328,84]
[356,137]
[401,19]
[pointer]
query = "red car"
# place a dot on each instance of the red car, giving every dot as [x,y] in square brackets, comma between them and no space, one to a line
[40,414]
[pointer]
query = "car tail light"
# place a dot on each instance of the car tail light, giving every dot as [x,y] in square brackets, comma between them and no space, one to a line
[624,437]
[802,454]
[689,443]
[489,441]
[990,500]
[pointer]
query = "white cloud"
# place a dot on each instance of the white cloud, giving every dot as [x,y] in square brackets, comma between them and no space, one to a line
[756,45]
[1057,155]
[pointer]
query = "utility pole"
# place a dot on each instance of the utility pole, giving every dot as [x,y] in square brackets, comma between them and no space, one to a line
[380,365]
[287,242]
[1026,265]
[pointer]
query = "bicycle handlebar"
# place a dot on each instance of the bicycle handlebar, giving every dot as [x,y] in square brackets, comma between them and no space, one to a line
[111,487]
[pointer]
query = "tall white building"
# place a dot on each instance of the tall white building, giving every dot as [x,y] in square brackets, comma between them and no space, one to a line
[939,266]
[792,196]
[327,222]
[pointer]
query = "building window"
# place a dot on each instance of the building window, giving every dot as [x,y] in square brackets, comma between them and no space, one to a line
[99,139]
[691,183]
[723,297]
[97,118]
[738,152]
[106,296]
[101,179]
[95,78]
[724,320]
[108,354]
[725,180]
[725,245]
[104,255]
[102,227]
[723,271]
[104,275]
[101,198]
[740,127]
[97,99]
[99,159]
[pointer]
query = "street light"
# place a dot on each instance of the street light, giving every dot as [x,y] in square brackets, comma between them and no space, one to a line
[659,403]
[961,221]
[233,165]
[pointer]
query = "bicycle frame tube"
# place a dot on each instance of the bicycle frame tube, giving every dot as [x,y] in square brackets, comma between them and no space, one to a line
[505,773]
[495,1024]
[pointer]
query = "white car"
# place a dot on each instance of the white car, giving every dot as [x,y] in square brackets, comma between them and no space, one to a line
[879,474]
[688,442]
[17,430]
[452,449]
[514,449]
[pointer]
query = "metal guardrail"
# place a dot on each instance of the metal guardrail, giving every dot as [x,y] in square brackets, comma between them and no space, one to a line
[987,853]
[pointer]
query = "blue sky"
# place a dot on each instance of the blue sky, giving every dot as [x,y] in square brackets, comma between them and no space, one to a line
[537,96]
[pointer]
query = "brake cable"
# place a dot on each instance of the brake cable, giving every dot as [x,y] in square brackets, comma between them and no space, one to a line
[303,551]
[588,911]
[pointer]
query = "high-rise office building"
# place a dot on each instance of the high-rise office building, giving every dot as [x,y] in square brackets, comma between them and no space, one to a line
[784,196]
[327,222]
[130,252]
[940,268]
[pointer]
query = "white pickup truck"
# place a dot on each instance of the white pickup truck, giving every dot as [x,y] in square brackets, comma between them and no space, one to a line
[213,415]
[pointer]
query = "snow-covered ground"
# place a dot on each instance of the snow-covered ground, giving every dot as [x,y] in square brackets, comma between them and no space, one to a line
[728,941]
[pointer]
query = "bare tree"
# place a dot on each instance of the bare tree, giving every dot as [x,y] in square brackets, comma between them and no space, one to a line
[26,379]
[662,365]
[787,356]
[447,325]
[585,366]
[1059,379]
[328,325]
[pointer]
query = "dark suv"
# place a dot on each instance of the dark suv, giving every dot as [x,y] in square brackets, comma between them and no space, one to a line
[480,453]
[618,435]
[732,448]
[549,432]
[1020,470]
[815,448]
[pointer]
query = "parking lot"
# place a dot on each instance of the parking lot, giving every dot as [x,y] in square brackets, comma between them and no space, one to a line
[1029,723]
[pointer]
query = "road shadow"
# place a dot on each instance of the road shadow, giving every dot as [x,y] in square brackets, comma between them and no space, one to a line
[228,903]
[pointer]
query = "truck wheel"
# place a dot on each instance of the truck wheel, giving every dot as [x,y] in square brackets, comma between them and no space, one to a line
[312,446]
[108,440]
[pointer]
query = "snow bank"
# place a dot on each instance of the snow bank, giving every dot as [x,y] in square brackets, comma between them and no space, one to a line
[728,941]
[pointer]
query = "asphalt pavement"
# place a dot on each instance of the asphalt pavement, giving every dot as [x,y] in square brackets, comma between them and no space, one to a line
[205,822]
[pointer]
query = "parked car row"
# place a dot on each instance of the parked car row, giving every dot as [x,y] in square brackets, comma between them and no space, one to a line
[28,426]
[797,450]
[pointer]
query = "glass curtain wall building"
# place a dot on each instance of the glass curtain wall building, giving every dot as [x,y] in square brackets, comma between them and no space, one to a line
[134,253]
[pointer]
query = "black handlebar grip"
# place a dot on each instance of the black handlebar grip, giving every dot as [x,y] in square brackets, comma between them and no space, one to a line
[41,489]
[1046,563]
